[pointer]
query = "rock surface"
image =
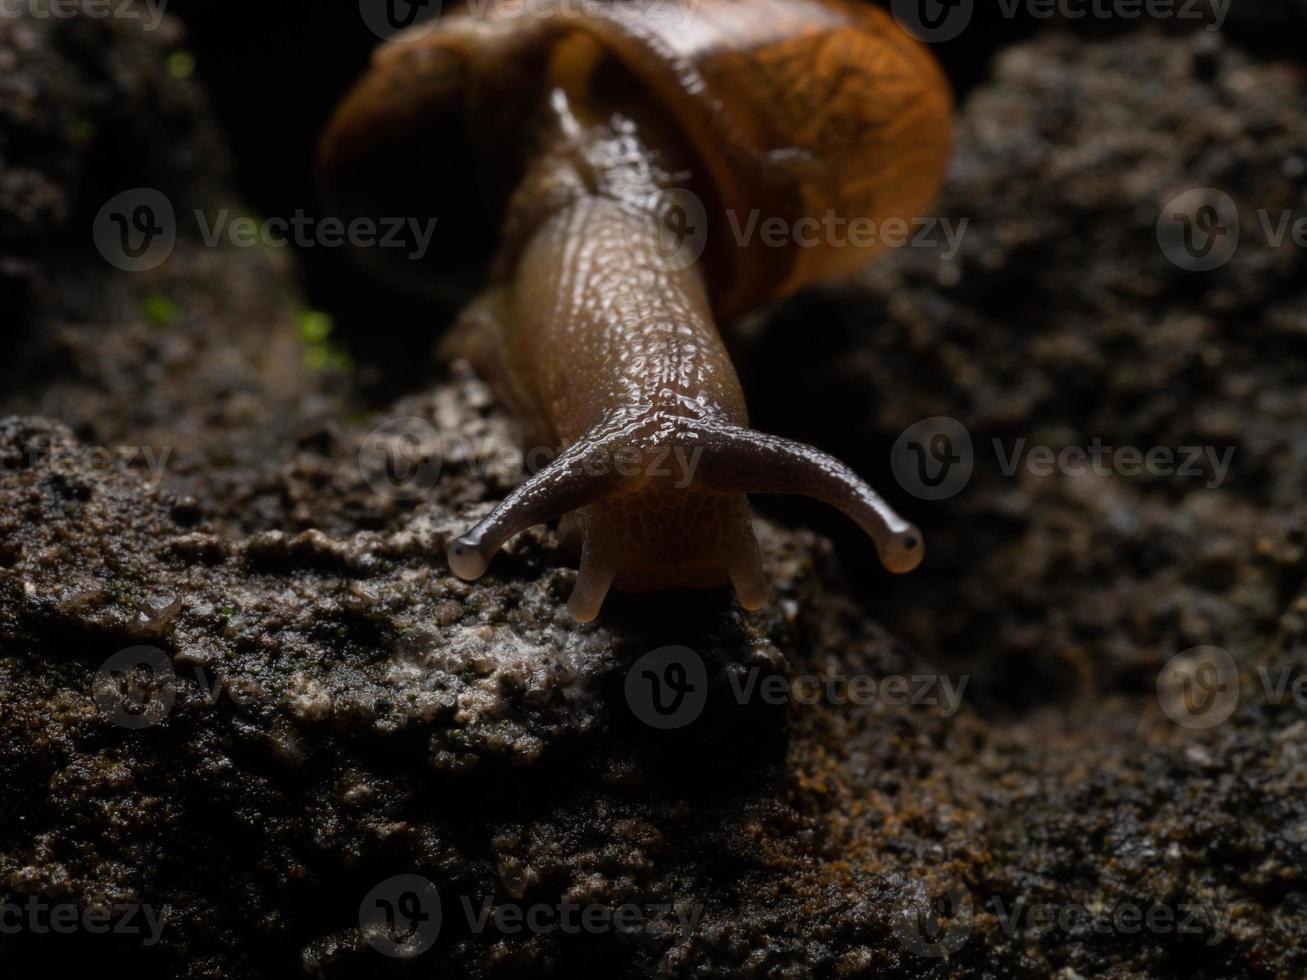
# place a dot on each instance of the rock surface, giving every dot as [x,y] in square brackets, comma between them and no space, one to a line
[333,709]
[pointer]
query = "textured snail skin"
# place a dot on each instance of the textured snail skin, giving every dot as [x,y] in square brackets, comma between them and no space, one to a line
[602,340]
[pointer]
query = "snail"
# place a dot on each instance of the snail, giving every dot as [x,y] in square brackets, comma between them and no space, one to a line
[591,169]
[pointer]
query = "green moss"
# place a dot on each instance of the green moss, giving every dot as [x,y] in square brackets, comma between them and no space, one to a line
[313,327]
[82,131]
[321,353]
[159,310]
[356,418]
[315,358]
[181,64]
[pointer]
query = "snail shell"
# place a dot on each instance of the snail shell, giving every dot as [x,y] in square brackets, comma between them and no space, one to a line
[792,108]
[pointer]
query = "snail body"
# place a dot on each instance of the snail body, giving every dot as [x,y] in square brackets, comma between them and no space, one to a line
[593,323]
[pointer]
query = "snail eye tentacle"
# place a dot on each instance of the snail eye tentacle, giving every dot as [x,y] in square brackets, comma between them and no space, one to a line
[744,460]
[582,474]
